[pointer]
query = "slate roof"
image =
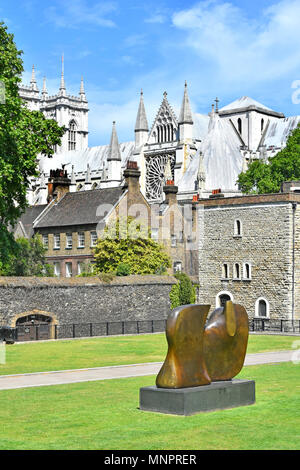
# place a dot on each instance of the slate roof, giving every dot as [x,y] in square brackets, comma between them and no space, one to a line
[80,208]
[29,217]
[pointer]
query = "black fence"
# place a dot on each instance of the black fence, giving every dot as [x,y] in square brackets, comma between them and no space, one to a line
[281,326]
[134,327]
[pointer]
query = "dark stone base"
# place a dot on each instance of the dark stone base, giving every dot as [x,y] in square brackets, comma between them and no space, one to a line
[188,401]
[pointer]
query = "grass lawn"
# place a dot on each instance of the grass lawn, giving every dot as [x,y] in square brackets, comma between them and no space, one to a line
[105,415]
[106,351]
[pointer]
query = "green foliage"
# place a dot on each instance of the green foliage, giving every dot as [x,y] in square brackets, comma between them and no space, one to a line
[23,135]
[182,293]
[87,270]
[123,269]
[28,259]
[129,242]
[267,177]
[174,296]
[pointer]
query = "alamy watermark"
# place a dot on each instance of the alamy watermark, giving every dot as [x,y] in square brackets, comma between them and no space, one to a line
[180,222]
[2,352]
[296,93]
[296,353]
[2,93]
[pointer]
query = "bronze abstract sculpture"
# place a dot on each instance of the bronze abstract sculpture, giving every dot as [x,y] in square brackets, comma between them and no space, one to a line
[184,365]
[199,354]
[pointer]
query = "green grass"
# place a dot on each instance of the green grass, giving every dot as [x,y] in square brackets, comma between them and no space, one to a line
[105,415]
[106,351]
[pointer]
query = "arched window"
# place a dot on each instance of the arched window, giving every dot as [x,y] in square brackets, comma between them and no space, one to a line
[225,271]
[238,228]
[247,271]
[236,271]
[240,125]
[262,125]
[72,136]
[262,308]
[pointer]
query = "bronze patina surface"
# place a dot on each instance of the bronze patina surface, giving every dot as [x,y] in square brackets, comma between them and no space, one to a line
[199,354]
[225,341]
[184,365]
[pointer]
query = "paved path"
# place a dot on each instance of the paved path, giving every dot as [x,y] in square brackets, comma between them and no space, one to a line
[39,379]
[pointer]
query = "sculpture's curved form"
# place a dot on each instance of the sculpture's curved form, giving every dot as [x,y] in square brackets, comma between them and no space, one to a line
[225,341]
[184,365]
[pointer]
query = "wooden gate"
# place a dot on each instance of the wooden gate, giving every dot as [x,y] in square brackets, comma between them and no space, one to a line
[33,328]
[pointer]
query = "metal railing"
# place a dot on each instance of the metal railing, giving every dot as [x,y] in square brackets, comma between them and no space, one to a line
[134,327]
[275,325]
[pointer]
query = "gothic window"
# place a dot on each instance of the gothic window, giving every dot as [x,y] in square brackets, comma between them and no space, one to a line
[239,125]
[262,125]
[72,136]
[155,174]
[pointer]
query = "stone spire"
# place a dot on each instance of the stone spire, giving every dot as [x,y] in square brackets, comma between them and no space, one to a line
[185,116]
[62,87]
[44,91]
[33,80]
[73,181]
[88,181]
[114,149]
[185,122]
[82,92]
[141,125]
[141,119]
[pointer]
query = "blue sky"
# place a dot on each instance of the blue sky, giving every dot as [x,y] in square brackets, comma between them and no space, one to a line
[222,48]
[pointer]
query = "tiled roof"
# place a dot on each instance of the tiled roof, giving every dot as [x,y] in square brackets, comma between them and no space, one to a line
[81,208]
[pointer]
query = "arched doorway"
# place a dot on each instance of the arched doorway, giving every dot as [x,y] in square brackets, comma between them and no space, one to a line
[35,325]
[222,298]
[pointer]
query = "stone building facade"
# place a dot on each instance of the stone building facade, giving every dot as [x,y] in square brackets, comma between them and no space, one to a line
[249,252]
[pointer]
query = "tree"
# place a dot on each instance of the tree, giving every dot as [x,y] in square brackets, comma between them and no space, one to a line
[28,259]
[128,242]
[182,293]
[23,135]
[267,177]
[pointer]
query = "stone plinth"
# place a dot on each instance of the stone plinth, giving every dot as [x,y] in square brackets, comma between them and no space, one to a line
[188,401]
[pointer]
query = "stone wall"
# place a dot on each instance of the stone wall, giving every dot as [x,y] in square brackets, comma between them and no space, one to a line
[86,300]
[265,242]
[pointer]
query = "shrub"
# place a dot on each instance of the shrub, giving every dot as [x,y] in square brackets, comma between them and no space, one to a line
[182,293]
[123,269]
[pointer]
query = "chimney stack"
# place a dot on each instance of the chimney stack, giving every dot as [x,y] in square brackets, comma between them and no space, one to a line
[170,191]
[58,184]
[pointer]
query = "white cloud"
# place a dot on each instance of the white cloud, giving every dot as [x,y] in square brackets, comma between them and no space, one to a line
[264,48]
[76,13]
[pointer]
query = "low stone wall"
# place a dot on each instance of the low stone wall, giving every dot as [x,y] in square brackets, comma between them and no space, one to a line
[86,300]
